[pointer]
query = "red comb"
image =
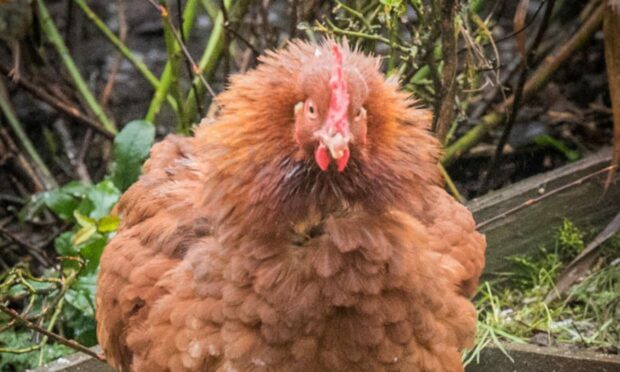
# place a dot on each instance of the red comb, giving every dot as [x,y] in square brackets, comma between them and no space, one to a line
[339,103]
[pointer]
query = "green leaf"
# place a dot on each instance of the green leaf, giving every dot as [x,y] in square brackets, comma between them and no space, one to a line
[85,207]
[82,293]
[108,223]
[82,220]
[92,250]
[75,188]
[63,244]
[131,147]
[84,234]
[103,196]
[61,203]
[80,314]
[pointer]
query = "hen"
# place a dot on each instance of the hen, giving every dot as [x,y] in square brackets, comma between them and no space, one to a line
[305,230]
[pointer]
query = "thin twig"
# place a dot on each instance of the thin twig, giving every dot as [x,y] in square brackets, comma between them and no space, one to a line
[229,29]
[32,250]
[60,105]
[188,65]
[10,150]
[518,95]
[58,338]
[451,186]
[84,147]
[46,176]
[215,46]
[71,151]
[121,47]
[122,34]
[195,69]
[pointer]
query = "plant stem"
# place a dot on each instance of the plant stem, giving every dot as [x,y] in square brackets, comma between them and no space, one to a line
[189,15]
[125,51]
[174,57]
[213,51]
[73,113]
[451,186]
[46,176]
[52,33]
[50,326]
[138,64]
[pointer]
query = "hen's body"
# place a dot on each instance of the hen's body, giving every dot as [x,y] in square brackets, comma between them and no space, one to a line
[235,257]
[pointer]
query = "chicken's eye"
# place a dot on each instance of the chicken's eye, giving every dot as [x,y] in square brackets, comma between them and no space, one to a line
[311,110]
[360,112]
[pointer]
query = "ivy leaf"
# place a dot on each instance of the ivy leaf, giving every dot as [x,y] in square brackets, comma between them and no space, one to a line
[75,188]
[103,197]
[131,148]
[64,245]
[91,250]
[61,203]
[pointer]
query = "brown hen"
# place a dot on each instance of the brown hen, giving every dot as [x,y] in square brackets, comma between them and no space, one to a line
[305,230]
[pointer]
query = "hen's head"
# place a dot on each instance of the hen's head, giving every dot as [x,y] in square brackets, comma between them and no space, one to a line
[319,125]
[330,118]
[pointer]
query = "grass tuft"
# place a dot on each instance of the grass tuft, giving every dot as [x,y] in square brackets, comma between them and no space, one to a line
[511,307]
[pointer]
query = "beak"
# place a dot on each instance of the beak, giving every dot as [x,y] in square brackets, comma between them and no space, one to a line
[332,146]
[336,144]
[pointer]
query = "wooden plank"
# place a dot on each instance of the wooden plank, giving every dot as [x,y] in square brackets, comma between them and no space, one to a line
[532,358]
[534,226]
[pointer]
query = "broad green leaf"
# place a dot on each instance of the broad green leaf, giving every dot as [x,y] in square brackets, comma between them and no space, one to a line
[85,207]
[91,250]
[75,188]
[79,318]
[63,244]
[88,284]
[131,147]
[61,203]
[108,223]
[103,196]
[80,314]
